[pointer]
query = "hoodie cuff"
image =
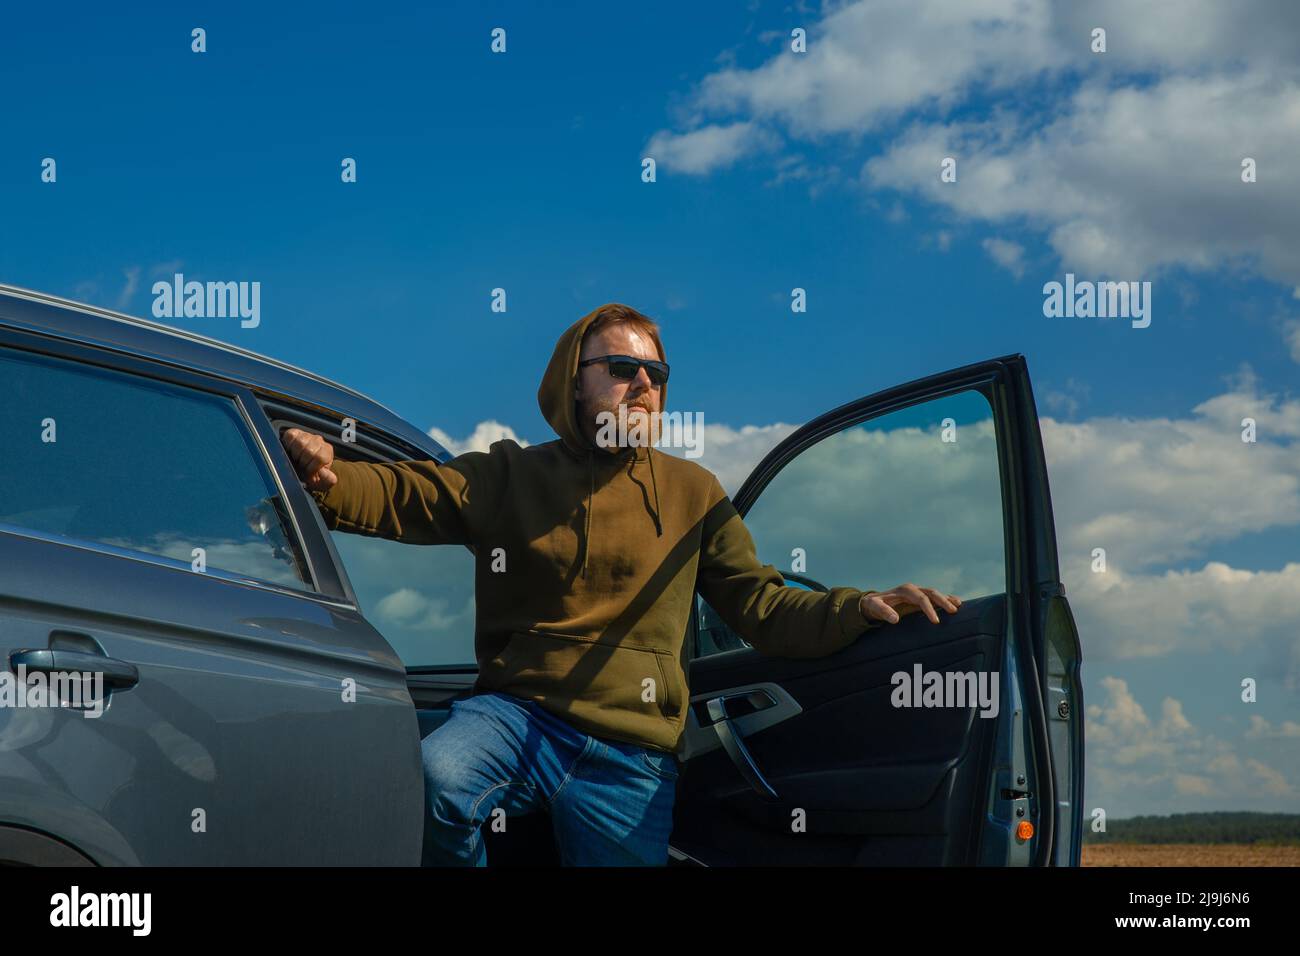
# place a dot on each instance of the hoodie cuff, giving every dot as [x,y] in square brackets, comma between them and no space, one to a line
[329,501]
[852,620]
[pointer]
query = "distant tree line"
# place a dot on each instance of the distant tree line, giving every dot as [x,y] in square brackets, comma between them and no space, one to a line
[1264,828]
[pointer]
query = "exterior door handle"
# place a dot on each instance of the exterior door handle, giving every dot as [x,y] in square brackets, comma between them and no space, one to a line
[118,675]
[734,744]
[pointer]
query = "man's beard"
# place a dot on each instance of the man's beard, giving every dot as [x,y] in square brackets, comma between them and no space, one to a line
[641,421]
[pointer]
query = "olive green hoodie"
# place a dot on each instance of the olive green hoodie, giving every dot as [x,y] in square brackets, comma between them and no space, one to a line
[586,565]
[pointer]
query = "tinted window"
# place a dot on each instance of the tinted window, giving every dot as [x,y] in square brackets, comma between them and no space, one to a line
[107,457]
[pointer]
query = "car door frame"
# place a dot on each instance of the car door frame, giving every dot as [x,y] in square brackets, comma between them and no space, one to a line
[1034,589]
[433,687]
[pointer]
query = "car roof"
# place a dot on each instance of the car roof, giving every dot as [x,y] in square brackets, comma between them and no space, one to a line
[52,315]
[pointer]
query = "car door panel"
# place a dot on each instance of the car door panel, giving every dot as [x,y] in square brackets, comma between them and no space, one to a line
[871,782]
[238,713]
[854,762]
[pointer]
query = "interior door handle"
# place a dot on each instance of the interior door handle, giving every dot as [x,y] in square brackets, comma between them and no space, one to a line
[117,674]
[758,698]
[734,744]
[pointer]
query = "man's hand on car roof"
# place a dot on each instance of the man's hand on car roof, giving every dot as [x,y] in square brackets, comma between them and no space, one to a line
[311,456]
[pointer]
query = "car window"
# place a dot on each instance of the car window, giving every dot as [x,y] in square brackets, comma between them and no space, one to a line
[420,597]
[912,495]
[103,456]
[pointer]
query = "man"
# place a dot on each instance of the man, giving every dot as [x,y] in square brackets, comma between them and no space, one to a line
[585,570]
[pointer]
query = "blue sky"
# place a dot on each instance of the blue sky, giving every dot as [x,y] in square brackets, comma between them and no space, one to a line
[775,170]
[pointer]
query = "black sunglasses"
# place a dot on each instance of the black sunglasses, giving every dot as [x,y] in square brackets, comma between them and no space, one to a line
[626,366]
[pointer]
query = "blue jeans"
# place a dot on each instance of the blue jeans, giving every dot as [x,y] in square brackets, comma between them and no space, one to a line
[610,802]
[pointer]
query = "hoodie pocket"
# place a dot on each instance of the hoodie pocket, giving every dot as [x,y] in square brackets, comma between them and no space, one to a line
[666,690]
[586,673]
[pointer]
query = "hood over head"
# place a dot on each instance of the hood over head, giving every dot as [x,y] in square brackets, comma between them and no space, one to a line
[556,400]
[555,394]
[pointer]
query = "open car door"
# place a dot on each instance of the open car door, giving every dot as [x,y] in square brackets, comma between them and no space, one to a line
[959,743]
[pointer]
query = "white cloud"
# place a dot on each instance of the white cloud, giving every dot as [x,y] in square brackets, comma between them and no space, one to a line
[1126,181]
[1125,161]
[1243,400]
[708,148]
[732,453]
[1271,779]
[1129,485]
[420,599]
[484,434]
[867,63]
[1158,492]
[402,604]
[409,608]
[1291,334]
[792,168]
[1009,255]
[1179,35]
[1213,609]
[1134,762]
[1259,727]
[132,276]
[1123,730]
[1068,399]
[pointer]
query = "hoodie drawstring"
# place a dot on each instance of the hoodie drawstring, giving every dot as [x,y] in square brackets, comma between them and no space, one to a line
[586,531]
[649,453]
[591,493]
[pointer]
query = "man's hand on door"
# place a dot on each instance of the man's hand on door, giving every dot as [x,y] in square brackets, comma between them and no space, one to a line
[889,606]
